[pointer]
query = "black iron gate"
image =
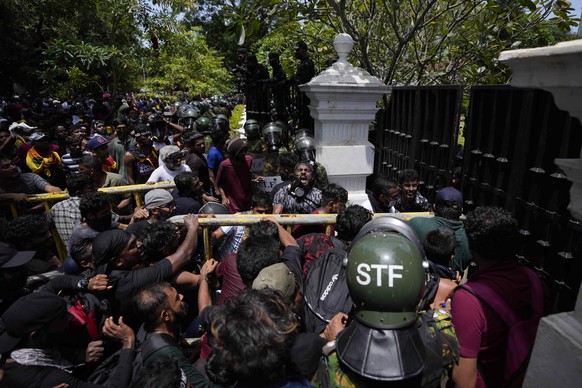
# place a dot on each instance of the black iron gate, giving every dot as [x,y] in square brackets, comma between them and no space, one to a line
[512,136]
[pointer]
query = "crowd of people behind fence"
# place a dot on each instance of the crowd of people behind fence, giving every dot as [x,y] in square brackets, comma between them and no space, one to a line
[375,301]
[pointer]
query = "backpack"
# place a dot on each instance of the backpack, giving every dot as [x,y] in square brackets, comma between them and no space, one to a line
[522,333]
[102,375]
[325,290]
[88,315]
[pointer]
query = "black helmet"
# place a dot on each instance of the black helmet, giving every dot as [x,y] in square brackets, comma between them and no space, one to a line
[273,135]
[252,129]
[305,148]
[213,208]
[386,275]
[219,123]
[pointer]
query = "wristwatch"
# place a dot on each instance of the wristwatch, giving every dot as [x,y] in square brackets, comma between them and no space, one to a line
[83,284]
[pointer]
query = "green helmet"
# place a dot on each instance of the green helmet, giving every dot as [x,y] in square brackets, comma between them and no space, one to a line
[203,124]
[386,273]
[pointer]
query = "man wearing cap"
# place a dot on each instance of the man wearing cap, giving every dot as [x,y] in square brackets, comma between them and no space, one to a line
[305,72]
[98,146]
[234,179]
[172,158]
[160,206]
[12,275]
[33,328]
[41,160]
[93,166]
[448,207]
[300,196]
[141,159]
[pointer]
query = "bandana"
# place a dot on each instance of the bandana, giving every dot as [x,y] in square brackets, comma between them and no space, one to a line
[40,164]
[109,165]
[109,244]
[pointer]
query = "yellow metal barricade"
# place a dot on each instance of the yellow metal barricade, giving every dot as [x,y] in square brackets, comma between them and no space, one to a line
[48,199]
[211,222]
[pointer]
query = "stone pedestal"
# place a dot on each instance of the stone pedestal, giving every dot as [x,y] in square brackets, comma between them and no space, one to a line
[343,103]
[557,356]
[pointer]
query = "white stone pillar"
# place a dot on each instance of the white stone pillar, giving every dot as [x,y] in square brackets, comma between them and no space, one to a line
[556,360]
[343,103]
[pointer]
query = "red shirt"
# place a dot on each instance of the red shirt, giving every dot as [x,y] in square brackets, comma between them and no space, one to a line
[235,180]
[481,333]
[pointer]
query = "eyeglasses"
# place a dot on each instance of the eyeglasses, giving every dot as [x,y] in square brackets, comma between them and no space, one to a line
[169,206]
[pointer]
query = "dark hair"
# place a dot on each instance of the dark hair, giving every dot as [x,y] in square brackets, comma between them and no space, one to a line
[264,228]
[149,303]
[439,245]
[334,193]
[24,228]
[407,175]
[350,220]
[91,161]
[492,233]
[76,182]
[288,160]
[382,185]
[261,199]
[450,211]
[251,337]
[254,254]
[74,127]
[119,121]
[156,238]
[161,372]
[93,202]
[190,138]
[183,182]
[80,251]
[72,139]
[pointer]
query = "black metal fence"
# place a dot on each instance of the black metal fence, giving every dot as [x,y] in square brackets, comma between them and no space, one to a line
[511,138]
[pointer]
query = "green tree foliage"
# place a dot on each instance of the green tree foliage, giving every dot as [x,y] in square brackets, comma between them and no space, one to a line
[64,47]
[187,63]
[407,42]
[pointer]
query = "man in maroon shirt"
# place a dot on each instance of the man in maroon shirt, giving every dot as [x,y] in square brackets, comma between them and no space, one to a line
[481,328]
[234,178]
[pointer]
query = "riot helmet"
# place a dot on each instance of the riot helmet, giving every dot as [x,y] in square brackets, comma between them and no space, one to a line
[219,123]
[386,275]
[203,125]
[305,148]
[188,116]
[273,136]
[252,129]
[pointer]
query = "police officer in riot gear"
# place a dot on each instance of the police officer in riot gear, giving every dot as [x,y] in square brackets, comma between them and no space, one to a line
[387,341]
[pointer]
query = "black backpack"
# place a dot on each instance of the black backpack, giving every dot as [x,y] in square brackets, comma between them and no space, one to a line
[102,375]
[325,290]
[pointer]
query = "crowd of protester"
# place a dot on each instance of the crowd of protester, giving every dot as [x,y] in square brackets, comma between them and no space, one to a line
[375,301]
